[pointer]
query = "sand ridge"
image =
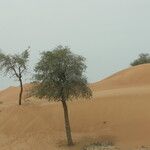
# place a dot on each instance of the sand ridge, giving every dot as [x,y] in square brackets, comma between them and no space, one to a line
[130,77]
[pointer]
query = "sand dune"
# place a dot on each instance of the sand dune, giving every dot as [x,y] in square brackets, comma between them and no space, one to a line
[131,77]
[119,109]
[10,95]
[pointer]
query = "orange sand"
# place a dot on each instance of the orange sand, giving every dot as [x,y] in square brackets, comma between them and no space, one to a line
[119,109]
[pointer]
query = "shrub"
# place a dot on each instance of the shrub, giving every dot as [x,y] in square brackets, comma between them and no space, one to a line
[106,143]
[143,59]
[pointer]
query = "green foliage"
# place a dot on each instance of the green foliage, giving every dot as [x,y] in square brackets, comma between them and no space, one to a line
[14,65]
[60,75]
[143,59]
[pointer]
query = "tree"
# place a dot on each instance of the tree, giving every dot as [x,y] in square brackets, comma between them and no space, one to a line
[60,77]
[15,65]
[144,58]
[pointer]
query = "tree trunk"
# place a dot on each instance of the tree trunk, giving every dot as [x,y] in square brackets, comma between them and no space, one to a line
[67,124]
[21,91]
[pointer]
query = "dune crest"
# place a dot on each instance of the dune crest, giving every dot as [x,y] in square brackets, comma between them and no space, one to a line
[130,77]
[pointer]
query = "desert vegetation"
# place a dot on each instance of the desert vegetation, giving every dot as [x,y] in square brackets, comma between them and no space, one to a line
[15,66]
[59,77]
[104,143]
[144,58]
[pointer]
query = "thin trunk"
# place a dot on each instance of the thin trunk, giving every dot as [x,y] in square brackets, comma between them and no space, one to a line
[67,124]
[21,91]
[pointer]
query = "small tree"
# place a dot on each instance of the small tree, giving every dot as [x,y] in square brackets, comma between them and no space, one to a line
[143,59]
[15,65]
[59,77]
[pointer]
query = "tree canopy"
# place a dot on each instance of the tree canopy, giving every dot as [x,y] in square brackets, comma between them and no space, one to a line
[61,73]
[144,58]
[15,65]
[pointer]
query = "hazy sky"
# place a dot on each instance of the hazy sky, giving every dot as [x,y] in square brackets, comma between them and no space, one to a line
[109,33]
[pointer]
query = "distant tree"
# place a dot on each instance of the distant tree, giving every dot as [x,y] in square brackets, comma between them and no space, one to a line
[144,58]
[60,77]
[15,65]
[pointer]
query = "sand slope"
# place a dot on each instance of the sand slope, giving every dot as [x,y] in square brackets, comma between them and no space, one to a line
[119,109]
[10,95]
[131,77]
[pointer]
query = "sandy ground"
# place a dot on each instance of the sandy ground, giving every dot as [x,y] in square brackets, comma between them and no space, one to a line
[119,111]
